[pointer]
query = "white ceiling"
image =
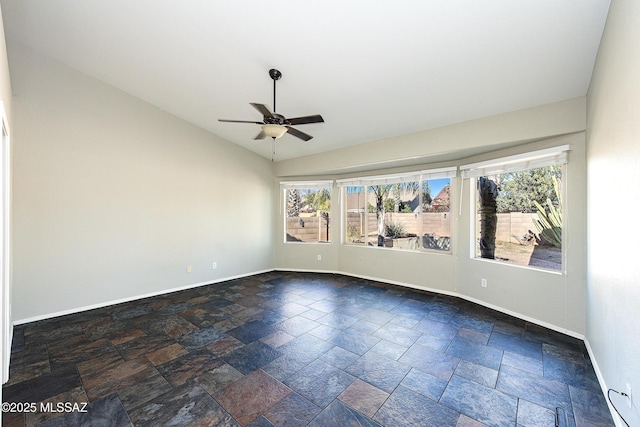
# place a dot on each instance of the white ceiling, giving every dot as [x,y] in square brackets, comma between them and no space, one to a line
[373,69]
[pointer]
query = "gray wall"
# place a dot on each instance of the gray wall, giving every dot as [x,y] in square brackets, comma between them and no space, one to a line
[113,198]
[548,298]
[613,159]
[553,299]
[5,80]
[6,320]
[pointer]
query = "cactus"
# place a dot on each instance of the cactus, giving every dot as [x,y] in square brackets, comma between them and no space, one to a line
[549,222]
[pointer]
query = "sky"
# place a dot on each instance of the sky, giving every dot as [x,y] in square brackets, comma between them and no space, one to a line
[436,185]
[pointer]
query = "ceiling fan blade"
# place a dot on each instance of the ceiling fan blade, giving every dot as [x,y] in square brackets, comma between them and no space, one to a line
[298,134]
[261,135]
[262,109]
[306,119]
[240,121]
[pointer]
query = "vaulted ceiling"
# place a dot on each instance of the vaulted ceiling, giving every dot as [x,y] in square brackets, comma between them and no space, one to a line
[373,69]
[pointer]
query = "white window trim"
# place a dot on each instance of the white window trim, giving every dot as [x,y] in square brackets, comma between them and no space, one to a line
[529,160]
[448,172]
[289,185]
[422,175]
[284,185]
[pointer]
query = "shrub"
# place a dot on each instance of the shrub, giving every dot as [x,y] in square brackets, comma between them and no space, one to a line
[353,234]
[549,222]
[394,230]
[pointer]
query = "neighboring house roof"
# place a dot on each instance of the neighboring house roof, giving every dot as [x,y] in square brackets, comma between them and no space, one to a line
[443,198]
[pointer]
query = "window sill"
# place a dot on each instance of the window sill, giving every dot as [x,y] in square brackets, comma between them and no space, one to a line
[399,250]
[526,267]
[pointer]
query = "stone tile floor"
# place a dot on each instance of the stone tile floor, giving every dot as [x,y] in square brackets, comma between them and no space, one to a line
[300,349]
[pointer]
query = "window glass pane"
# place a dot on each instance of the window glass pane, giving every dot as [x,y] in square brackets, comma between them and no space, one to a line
[372,227]
[396,211]
[409,211]
[402,216]
[436,214]
[519,217]
[355,204]
[307,214]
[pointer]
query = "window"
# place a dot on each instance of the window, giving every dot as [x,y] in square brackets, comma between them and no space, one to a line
[436,214]
[356,227]
[307,206]
[403,212]
[518,208]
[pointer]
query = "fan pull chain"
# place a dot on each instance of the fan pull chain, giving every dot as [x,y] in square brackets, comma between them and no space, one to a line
[273,148]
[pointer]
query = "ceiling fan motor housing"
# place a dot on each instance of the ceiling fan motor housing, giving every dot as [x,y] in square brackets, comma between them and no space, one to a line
[276,119]
[275,74]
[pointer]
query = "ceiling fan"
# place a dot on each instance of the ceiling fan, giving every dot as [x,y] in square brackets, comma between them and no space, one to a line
[275,125]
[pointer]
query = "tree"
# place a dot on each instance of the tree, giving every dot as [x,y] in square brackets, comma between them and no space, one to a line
[549,222]
[426,196]
[488,192]
[389,206]
[381,192]
[293,203]
[519,191]
[319,200]
[398,189]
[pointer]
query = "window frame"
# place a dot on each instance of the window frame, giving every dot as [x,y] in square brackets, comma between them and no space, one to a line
[520,162]
[420,176]
[303,185]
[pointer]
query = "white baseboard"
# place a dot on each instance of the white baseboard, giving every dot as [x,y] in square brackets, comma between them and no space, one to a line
[526,318]
[134,298]
[7,356]
[453,294]
[377,279]
[603,384]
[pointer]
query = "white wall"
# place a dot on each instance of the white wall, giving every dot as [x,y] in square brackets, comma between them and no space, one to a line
[446,143]
[613,159]
[6,330]
[551,299]
[113,198]
[5,80]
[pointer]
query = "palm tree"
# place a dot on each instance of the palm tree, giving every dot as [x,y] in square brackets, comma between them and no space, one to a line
[320,201]
[381,193]
[293,203]
[426,195]
[488,191]
[397,197]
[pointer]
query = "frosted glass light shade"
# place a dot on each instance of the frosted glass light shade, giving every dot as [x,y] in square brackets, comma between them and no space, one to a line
[274,131]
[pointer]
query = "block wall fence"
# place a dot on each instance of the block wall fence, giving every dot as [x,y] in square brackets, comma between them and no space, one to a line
[313,229]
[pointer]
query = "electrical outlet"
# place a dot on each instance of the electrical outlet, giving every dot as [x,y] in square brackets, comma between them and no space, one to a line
[629,396]
[483,283]
[214,265]
[189,269]
[319,257]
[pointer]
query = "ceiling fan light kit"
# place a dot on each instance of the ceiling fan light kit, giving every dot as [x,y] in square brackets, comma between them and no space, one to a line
[275,125]
[274,131]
